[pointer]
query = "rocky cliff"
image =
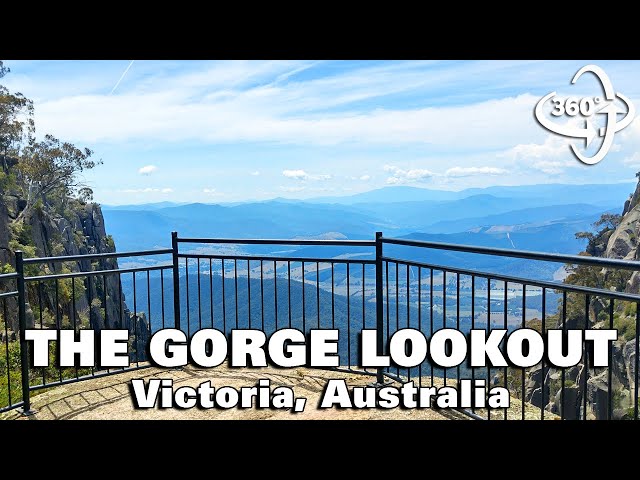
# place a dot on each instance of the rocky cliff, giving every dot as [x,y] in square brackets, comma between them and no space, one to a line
[63,227]
[618,239]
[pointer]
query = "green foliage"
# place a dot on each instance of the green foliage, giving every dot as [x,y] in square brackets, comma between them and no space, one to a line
[7,181]
[6,268]
[606,223]
[16,121]
[626,327]
[11,374]
[609,221]
[52,166]
[111,245]
[629,309]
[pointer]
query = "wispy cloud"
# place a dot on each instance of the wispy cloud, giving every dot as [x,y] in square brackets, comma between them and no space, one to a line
[414,175]
[212,192]
[147,190]
[470,171]
[302,175]
[147,169]
[292,189]
[121,77]
[255,173]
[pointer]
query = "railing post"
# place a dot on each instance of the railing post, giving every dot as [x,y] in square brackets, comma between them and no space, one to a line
[22,320]
[176,280]
[379,307]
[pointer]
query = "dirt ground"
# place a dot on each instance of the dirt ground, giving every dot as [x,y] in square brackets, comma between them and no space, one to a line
[108,398]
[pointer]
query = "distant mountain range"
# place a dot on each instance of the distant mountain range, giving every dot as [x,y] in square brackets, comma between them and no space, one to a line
[534,217]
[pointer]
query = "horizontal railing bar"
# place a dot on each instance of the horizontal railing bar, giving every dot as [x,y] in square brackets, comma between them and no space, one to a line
[505,252]
[269,241]
[11,407]
[524,281]
[393,376]
[91,256]
[8,294]
[8,276]
[87,377]
[345,370]
[470,414]
[97,272]
[277,259]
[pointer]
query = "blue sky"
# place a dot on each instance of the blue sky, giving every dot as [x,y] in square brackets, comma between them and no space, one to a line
[209,131]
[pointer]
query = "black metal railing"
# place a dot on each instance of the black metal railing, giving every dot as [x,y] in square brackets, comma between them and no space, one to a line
[465,298]
[384,284]
[276,291]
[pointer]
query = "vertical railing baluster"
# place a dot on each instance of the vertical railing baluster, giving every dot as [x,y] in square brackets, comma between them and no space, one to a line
[506,314]
[148,303]
[6,349]
[318,291]
[610,368]
[473,325]
[176,280]
[544,332]
[224,299]
[458,320]
[199,296]
[235,282]
[289,290]
[275,291]
[73,308]
[637,356]
[186,282]
[585,358]
[488,332]
[162,295]
[44,369]
[22,321]
[210,291]
[444,314]
[431,329]
[420,319]
[333,298]
[397,308]
[348,317]
[524,320]
[563,371]
[135,318]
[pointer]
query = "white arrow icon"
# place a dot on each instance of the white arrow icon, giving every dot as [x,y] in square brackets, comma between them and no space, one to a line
[589,132]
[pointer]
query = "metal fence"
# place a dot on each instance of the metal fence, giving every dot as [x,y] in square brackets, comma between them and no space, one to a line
[343,284]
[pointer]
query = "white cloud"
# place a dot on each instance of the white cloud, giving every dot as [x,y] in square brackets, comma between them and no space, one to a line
[255,173]
[297,174]
[551,157]
[633,161]
[302,175]
[413,175]
[199,106]
[292,189]
[365,178]
[147,190]
[147,170]
[470,171]
[212,192]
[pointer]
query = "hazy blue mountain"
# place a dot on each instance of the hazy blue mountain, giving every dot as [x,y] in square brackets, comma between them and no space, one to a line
[573,212]
[539,217]
[138,229]
[611,195]
[392,194]
[142,206]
